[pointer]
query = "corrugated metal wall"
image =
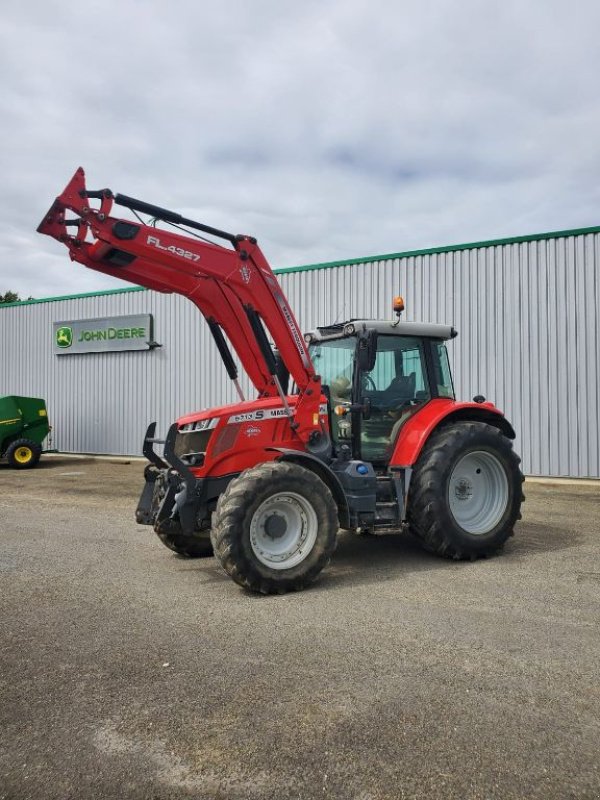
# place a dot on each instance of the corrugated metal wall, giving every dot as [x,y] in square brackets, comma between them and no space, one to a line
[529,339]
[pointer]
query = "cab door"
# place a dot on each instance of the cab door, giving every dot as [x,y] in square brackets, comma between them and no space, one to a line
[335,363]
[391,391]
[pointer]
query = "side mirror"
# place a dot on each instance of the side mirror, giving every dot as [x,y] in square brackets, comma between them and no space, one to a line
[367,350]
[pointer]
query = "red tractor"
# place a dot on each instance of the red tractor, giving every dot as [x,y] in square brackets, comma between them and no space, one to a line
[369,436]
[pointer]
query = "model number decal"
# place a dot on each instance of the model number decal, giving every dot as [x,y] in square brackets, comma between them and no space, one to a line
[252,416]
[177,251]
[271,413]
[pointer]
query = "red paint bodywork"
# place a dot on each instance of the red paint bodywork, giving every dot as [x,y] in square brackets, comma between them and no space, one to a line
[417,429]
[255,438]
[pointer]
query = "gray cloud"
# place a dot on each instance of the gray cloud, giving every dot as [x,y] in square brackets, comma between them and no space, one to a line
[327,129]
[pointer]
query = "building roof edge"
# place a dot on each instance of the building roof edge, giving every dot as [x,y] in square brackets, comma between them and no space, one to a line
[530,237]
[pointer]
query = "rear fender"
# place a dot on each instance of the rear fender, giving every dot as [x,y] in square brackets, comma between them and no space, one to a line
[415,433]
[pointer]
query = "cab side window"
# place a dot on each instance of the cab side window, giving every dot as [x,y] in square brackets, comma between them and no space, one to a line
[395,388]
[399,371]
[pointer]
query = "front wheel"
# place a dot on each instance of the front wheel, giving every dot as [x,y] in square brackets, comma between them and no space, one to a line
[185,545]
[275,528]
[466,491]
[23,454]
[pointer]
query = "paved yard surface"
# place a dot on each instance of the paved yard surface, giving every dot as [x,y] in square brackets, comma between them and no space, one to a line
[126,672]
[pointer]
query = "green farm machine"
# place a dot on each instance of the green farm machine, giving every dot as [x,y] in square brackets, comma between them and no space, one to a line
[23,428]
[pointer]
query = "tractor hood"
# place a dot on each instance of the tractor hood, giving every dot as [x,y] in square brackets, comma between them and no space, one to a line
[263,408]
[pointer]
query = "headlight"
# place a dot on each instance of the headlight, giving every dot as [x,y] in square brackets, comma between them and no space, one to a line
[199,425]
[206,424]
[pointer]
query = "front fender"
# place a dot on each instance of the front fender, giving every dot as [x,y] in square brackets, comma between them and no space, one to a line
[418,428]
[321,469]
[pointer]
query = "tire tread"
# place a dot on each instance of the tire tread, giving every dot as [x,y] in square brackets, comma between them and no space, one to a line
[426,517]
[229,519]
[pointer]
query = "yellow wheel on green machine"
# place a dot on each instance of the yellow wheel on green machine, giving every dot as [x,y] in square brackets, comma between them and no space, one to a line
[23,455]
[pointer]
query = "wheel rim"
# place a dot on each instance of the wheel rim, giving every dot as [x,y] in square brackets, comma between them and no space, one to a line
[283,530]
[23,455]
[478,492]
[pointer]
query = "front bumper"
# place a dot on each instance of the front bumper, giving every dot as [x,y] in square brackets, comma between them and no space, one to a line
[173,499]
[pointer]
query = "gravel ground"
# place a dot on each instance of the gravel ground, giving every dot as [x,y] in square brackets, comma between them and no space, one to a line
[126,672]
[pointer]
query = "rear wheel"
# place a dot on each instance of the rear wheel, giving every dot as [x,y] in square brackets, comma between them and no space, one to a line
[466,491]
[275,528]
[23,454]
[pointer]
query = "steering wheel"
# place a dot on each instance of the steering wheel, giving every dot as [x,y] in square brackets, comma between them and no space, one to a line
[406,403]
[397,405]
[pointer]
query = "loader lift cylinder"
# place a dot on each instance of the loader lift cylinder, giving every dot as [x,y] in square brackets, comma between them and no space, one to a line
[226,356]
[156,212]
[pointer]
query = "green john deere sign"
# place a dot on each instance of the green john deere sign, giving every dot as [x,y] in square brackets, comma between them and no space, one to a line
[133,332]
[63,336]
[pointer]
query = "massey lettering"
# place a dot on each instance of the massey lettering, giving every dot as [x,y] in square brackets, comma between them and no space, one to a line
[107,334]
[271,413]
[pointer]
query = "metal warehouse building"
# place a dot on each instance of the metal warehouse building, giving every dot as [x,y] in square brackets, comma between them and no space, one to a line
[526,308]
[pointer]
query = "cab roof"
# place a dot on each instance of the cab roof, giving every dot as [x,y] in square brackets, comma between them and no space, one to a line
[341,330]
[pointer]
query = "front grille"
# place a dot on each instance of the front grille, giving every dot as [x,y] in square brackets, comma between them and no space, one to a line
[192,442]
[226,439]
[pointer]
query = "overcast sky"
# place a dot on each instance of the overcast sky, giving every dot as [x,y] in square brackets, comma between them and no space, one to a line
[326,129]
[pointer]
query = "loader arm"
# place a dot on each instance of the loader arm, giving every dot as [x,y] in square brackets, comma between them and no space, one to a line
[234,288]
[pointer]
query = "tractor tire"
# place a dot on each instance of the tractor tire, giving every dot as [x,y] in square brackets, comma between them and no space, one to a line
[23,454]
[466,492]
[275,528]
[187,546]
[182,544]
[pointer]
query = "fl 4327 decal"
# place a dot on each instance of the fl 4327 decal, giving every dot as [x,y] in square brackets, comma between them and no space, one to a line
[178,251]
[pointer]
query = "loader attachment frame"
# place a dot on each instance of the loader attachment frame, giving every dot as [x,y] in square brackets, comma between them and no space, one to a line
[233,286]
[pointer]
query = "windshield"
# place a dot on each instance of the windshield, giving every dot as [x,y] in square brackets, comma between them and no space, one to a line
[334,362]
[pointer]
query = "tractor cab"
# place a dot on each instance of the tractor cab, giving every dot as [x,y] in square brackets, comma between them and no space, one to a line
[379,373]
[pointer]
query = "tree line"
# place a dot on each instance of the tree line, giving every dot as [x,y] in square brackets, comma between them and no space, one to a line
[11,297]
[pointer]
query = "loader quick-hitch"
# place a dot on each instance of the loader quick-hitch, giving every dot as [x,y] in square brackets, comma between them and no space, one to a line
[265,484]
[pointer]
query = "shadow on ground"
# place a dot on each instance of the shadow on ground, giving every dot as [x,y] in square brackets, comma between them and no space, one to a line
[366,560]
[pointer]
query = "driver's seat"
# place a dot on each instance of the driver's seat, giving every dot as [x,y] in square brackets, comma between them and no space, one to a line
[401,388]
[381,430]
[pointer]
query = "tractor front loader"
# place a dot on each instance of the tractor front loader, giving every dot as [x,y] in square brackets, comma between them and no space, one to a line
[372,439]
